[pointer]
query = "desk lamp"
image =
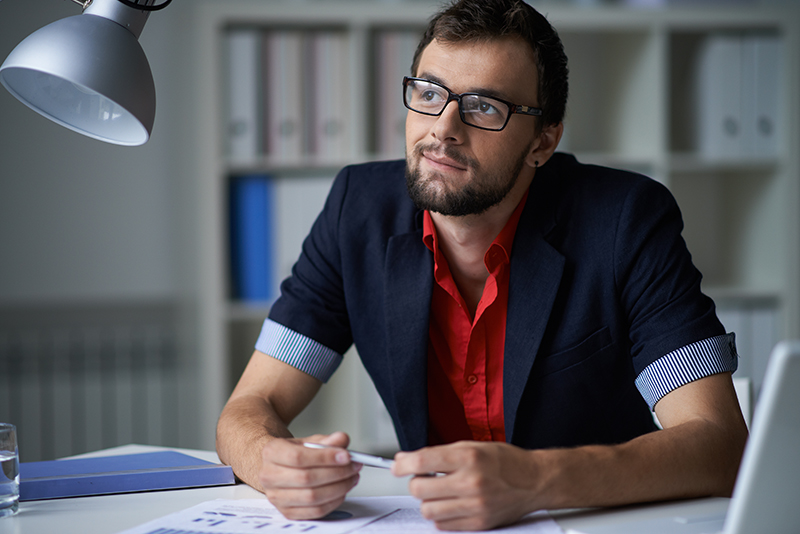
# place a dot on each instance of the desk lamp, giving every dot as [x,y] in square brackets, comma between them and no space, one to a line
[88,72]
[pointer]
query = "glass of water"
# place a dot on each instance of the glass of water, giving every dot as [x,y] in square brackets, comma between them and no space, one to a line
[9,470]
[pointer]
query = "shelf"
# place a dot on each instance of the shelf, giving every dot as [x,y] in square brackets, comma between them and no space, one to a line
[727,295]
[689,163]
[242,311]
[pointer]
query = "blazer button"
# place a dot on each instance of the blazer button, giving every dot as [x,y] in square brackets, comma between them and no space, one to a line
[472,379]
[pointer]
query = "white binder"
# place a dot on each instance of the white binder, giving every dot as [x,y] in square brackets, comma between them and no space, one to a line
[283,85]
[719,97]
[768,56]
[244,91]
[330,110]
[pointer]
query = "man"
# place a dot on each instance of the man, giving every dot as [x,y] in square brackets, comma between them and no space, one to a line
[520,314]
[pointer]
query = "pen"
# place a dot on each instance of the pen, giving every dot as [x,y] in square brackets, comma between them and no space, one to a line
[359,457]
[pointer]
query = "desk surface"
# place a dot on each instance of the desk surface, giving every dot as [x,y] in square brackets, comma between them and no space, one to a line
[109,514]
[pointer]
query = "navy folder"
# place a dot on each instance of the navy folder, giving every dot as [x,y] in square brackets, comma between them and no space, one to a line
[118,474]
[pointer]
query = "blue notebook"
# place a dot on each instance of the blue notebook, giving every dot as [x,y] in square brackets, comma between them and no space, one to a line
[118,474]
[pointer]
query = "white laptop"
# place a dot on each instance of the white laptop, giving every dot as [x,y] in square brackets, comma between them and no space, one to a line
[766,498]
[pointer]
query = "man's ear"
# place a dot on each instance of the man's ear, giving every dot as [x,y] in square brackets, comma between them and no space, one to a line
[545,145]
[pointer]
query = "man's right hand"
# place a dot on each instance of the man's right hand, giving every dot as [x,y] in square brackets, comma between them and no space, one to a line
[306,483]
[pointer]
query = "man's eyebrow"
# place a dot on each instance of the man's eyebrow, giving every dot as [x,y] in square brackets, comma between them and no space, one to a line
[481,91]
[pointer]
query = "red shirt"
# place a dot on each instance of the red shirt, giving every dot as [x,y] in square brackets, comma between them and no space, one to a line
[465,354]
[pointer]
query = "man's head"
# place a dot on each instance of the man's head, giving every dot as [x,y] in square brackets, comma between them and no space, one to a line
[474,137]
[482,20]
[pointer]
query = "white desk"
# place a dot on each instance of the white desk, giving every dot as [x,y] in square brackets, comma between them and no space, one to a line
[108,514]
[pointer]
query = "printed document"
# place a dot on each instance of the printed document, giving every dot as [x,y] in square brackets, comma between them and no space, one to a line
[383,515]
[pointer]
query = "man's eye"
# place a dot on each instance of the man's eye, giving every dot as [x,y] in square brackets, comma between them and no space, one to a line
[429,96]
[487,108]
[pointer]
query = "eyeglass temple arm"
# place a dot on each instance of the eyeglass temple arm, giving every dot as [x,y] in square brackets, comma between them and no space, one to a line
[527,110]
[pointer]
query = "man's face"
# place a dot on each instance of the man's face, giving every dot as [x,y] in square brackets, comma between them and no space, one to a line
[455,169]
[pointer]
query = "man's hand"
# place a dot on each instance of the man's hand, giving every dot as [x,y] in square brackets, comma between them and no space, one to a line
[484,485]
[307,483]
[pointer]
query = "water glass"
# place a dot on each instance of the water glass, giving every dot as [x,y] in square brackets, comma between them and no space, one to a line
[9,470]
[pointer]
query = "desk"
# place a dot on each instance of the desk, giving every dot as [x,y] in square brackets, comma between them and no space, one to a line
[108,514]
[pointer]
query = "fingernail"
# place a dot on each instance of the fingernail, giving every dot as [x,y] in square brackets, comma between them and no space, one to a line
[342,458]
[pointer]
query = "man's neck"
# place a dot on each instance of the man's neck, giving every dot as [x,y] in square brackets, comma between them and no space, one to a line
[465,240]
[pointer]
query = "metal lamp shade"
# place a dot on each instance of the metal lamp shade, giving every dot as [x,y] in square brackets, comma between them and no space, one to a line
[87,73]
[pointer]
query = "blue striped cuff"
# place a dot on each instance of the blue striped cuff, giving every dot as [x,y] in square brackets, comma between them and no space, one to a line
[299,351]
[687,364]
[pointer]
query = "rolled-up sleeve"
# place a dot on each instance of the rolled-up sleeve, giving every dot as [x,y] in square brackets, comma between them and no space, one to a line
[297,350]
[687,364]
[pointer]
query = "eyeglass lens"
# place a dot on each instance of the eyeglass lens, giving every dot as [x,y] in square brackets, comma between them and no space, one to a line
[431,98]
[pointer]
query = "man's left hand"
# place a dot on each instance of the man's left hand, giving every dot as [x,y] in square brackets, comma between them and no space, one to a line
[477,485]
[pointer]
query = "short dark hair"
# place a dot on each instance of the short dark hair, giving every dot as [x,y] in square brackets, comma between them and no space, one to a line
[483,20]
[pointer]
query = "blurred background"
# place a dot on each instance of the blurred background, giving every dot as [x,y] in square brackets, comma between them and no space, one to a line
[125,316]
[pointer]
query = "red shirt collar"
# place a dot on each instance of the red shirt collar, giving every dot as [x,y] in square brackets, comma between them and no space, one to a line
[502,243]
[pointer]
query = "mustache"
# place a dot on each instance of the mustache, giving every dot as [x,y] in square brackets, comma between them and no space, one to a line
[446,151]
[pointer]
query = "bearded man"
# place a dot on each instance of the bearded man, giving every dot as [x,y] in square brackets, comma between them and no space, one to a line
[520,314]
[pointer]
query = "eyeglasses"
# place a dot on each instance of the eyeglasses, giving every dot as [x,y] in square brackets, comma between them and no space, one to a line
[477,110]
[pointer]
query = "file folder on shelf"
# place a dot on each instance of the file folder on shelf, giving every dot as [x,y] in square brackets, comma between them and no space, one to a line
[118,474]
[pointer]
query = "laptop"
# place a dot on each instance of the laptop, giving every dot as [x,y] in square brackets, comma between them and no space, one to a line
[766,498]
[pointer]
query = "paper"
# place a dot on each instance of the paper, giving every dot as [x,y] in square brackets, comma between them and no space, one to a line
[407,518]
[259,516]
[383,515]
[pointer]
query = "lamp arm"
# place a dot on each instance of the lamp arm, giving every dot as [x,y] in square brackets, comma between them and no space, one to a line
[142,7]
[86,3]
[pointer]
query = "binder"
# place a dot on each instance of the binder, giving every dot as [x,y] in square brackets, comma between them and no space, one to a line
[330,104]
[252,238]
[283,86]
[394,54]
[720,97]
[739,93]
[118,474]
[768,57]
[244,94]
[298,202]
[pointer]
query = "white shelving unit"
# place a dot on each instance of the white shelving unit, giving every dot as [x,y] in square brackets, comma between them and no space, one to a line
[630,85]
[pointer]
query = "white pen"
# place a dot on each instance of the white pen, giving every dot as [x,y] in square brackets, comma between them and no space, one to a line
[359,457]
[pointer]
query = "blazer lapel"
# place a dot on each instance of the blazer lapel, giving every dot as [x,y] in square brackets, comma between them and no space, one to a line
[536,269]
[407,291]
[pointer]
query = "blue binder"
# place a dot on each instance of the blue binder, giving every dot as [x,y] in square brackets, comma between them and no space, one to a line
[118,474]
[251,237]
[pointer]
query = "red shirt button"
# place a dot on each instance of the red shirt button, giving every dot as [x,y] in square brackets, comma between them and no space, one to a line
[472,379]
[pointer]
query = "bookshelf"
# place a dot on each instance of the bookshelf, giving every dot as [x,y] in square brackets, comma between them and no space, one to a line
[633,104]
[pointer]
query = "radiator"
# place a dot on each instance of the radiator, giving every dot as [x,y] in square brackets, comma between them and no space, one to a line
[77,380]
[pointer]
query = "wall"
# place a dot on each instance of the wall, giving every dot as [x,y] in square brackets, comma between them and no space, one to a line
[86,225]
[81,219]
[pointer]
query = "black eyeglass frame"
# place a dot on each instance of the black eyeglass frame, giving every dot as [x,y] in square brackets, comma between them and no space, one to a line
[451,96]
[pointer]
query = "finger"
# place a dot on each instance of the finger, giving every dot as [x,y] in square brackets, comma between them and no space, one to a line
[458,514]
[292,453]
[288,464]
[430,487]
[311,503]
[439,459]
[337,439]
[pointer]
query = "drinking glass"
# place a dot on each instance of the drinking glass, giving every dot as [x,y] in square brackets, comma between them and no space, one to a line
[9,470]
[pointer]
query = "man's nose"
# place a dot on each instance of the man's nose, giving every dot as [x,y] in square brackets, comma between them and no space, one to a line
[449,125]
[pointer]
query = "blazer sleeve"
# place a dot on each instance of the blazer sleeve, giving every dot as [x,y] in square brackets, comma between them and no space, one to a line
[312,301]
[658,285]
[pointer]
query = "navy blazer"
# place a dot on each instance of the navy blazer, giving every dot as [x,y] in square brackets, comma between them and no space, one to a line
[601,285]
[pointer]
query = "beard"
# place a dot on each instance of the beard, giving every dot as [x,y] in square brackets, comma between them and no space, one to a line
[482,191]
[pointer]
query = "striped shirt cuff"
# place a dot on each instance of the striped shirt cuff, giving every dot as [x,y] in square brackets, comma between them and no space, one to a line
[687,364]
[299,351]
